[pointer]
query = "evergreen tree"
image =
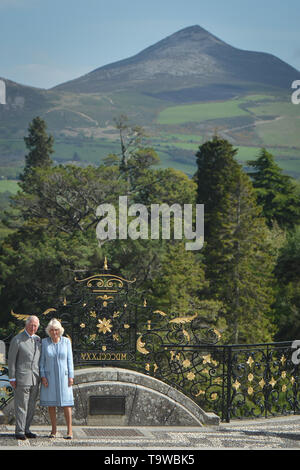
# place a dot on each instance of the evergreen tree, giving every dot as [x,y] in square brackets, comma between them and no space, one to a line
[287,304]
[275,191]
[215,171]
[238,257]
[40,147]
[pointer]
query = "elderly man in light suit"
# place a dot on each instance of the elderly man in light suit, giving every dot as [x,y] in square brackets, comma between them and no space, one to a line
[23,365]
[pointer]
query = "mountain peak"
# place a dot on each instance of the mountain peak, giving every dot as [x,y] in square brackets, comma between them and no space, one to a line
[187,39]
[195,32]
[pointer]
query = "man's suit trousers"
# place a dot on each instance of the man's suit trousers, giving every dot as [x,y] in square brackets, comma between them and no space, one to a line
[25,397]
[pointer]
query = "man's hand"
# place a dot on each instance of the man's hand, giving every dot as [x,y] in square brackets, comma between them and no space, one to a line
[13,383]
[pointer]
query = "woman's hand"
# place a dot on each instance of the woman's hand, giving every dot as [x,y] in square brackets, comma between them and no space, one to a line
[44,381]
[70,382]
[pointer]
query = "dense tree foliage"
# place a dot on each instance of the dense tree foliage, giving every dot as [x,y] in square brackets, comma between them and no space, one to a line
[276,192]
[245,281]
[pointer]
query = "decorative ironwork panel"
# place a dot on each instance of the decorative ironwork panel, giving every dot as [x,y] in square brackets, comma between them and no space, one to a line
[109,324]
[196,371]
[264,381]
[6,391]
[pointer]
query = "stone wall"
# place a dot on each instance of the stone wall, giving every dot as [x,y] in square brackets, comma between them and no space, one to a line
[148,401]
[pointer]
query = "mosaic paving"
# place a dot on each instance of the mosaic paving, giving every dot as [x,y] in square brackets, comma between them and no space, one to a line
[268,434]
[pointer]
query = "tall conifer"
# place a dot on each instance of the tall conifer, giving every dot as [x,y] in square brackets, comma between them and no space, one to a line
[237,254]
[40,147]
[275,191]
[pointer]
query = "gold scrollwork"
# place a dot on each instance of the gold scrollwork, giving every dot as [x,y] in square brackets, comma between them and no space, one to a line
[217,333]
[180,320]
[101,283]
[19,316]
[186,334]
[24,317]
[105,299]
[163,314]
[48,311]
[141,346]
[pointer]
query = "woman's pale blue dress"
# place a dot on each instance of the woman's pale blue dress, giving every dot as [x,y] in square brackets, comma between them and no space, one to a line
[56,364]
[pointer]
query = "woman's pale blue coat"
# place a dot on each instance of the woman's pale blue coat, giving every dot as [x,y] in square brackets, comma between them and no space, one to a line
[56,364]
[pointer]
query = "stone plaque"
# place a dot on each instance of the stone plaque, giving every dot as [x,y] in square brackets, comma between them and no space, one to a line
[107,405]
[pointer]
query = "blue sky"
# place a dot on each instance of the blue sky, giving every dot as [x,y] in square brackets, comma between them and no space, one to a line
[47,42]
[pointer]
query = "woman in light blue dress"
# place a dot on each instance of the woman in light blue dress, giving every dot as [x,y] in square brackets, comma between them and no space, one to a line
[57,373]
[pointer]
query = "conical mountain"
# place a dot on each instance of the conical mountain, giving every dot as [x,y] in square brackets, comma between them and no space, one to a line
[187,60]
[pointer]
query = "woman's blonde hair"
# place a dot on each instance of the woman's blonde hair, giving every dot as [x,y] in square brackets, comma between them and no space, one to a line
[54,323]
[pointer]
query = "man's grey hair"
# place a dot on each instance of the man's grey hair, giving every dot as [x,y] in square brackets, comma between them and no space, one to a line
[32,317]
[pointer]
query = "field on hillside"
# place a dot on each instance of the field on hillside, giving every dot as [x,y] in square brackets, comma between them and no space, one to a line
[9,185]
[200,112]
[249,123]
[84,130]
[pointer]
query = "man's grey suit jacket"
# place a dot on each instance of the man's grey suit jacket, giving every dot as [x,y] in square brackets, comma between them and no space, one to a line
[23,359]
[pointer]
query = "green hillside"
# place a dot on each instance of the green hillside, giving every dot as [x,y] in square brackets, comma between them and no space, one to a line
[83,128]
[182,90]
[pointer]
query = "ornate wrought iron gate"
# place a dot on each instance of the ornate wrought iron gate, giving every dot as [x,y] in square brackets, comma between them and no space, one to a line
[102,322]
[236,381]
[109,324]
